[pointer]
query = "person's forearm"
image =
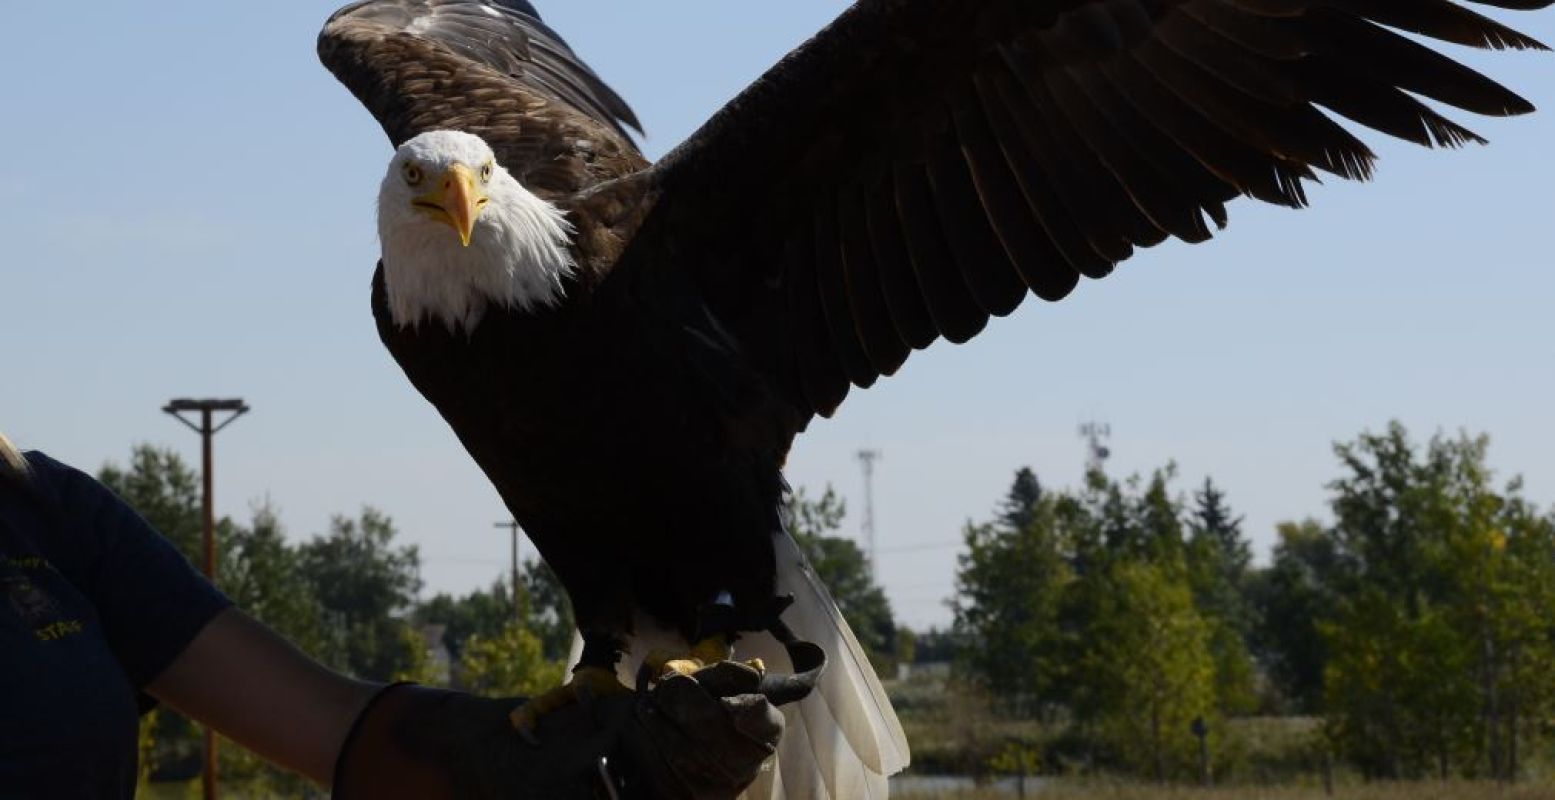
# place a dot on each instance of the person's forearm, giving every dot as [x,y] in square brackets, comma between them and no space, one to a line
[259,690]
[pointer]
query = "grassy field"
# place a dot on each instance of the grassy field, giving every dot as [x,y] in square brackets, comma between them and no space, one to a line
[1096,790]
[1429,790]
[1258,758]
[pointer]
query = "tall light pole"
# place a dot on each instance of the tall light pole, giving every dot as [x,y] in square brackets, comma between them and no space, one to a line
[207,430]
[867,459]
[518,606]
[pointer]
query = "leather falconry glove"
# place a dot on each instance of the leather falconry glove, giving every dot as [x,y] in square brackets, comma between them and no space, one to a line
[691,737]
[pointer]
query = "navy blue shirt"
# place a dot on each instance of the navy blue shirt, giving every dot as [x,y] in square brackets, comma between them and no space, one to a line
[94,604]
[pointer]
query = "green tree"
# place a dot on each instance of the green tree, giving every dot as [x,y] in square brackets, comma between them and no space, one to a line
[165,491]
[1517,644]
[1299,590]
[1088,614]
[263,575]
[1220,557]
[1159,533]
[1010,591]
[365,587]
[483,612]
[1436,640]
[1389,509]
[1397,699]
[1219,560]
[1388,642]
[844,570]
[550,610]
[1019,507]
[510,663]
[935,646]
[1132,520]
[488,612]
[1146,671]
[1500,556]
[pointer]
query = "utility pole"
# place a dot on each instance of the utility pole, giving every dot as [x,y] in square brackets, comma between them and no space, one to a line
[1096,435]
[867,459]
[207,430]
[518,605]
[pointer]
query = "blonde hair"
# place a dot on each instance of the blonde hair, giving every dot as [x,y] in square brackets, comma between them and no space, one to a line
[11,460]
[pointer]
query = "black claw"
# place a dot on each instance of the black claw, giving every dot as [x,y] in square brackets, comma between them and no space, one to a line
[601,650]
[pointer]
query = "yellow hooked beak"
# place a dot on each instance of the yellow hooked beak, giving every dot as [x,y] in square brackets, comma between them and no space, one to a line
[457,202]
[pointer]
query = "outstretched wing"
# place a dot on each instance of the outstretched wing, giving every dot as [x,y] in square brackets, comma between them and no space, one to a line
[489,67]
[918,167]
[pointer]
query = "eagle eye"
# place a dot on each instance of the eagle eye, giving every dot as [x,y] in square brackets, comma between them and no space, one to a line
[486,171]
[412,173]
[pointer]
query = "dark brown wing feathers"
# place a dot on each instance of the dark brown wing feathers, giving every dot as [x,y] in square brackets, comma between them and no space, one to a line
[898,284]
[921,165]
[951,305]
[865,289]
[491,68]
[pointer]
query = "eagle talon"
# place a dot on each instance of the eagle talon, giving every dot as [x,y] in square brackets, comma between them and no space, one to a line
[663,664]
[681,666]
[587,685]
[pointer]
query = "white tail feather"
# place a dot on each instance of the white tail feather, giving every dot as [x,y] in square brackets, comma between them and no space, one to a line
[844,740]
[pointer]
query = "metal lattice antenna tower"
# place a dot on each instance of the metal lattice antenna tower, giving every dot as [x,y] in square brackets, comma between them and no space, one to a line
[867,459]
[1096,435]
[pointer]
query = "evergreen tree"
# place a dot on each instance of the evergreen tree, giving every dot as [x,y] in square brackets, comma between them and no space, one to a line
[1158,531]
[1222,557]
[1218,559]
[1019,507]
[1010,589]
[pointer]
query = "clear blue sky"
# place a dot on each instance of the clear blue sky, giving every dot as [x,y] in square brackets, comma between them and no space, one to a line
[187,206]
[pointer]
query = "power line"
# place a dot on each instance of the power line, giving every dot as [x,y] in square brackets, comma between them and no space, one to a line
[948,585]
[482,560]
[918,548]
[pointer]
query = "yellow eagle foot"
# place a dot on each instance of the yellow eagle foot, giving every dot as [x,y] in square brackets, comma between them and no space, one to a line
[662,663]
[587,683]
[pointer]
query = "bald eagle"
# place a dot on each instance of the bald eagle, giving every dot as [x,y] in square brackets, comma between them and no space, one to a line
[628,349]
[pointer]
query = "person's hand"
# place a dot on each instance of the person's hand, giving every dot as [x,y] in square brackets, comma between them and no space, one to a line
[690,737]
[699,736]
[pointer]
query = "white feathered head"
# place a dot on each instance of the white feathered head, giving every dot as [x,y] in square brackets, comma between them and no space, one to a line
[461,235]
